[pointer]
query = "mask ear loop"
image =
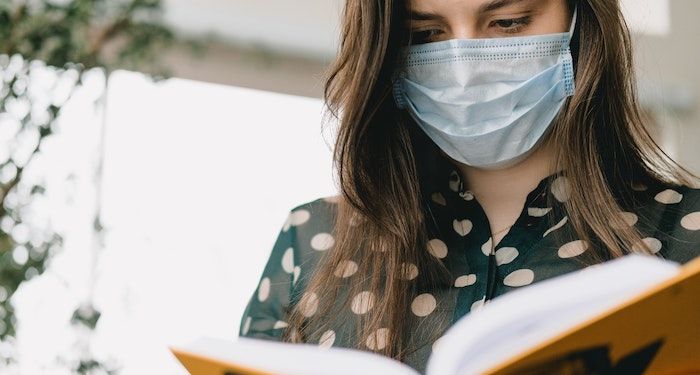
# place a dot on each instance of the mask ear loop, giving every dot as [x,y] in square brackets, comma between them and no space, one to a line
[568,59]
[397,89]
[573,22]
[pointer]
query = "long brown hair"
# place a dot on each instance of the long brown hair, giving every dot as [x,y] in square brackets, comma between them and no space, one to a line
[383,164]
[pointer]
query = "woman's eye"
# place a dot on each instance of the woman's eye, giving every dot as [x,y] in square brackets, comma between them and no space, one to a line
[424,36]
[512,25]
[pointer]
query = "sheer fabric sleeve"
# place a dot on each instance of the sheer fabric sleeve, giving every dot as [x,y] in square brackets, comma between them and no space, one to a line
[683,243]
[265,314]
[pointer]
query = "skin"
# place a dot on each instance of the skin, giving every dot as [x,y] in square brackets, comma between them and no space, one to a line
[502,192]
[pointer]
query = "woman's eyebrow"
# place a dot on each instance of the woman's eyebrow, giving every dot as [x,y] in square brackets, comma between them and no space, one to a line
[426,16]
[495,4]
[483,8]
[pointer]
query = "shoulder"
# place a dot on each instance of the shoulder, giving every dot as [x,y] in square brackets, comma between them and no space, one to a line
[674,211]
[691,196]
[309,228]
[666,198]
[674,201]
[306,232]
[689,211]
[317,215]
[322,206]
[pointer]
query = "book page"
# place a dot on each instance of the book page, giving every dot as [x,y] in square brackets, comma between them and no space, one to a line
[520,319]
[257,357]
[655,332]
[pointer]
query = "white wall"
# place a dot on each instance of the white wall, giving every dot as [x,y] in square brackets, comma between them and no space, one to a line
[302,27]
[198,180]
[651,17]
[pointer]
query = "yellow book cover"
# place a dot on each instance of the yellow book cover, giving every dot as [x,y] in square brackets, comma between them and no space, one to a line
[632,315]
[656,332]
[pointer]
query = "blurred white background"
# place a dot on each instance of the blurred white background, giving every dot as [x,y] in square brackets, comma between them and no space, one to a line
[200,172]
[198,179]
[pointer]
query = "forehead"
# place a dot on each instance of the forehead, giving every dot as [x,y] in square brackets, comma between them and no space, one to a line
[471,6]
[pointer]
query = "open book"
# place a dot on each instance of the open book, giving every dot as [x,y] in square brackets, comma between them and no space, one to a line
[631,315]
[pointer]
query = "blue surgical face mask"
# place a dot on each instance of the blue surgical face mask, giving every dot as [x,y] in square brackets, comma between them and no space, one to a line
[487,102]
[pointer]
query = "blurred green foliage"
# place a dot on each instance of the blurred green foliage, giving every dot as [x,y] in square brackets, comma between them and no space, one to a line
[66,38]
[93,33]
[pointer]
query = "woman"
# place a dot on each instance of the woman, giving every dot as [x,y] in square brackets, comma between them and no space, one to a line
[484,145]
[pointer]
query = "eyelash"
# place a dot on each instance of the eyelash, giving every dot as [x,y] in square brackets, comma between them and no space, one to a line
[418,40]
[520,24]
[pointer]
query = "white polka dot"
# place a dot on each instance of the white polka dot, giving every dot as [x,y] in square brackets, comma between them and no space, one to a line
[467,195]
[630,218]
[327,339]
[288,260]
[537,211]
[465,280]
[506,255]
[287,223]
[668,196]
[322,241]
[486,247]
[561,189]
[572,249]
[556,226]
[454,181]
[280,324]
[462,227]
[519,277]
[408,271]
[437,248]
[246,325]
[436,344]
[297,271]
[378,339]
[691,221]
[423,304]
[346,268]
[439,199]
[264,289]
[308,304]
[296,218]
[653,244]
[299,217]
[362,302]
[477,305]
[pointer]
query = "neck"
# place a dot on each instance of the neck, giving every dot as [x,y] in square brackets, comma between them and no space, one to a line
[502,192]
[515,180]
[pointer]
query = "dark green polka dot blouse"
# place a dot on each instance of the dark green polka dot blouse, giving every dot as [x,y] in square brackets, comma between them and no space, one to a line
[540,245]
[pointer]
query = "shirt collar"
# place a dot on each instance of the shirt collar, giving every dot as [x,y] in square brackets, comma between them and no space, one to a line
[451,189]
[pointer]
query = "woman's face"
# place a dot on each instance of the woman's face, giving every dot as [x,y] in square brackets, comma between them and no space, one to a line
[436,20]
